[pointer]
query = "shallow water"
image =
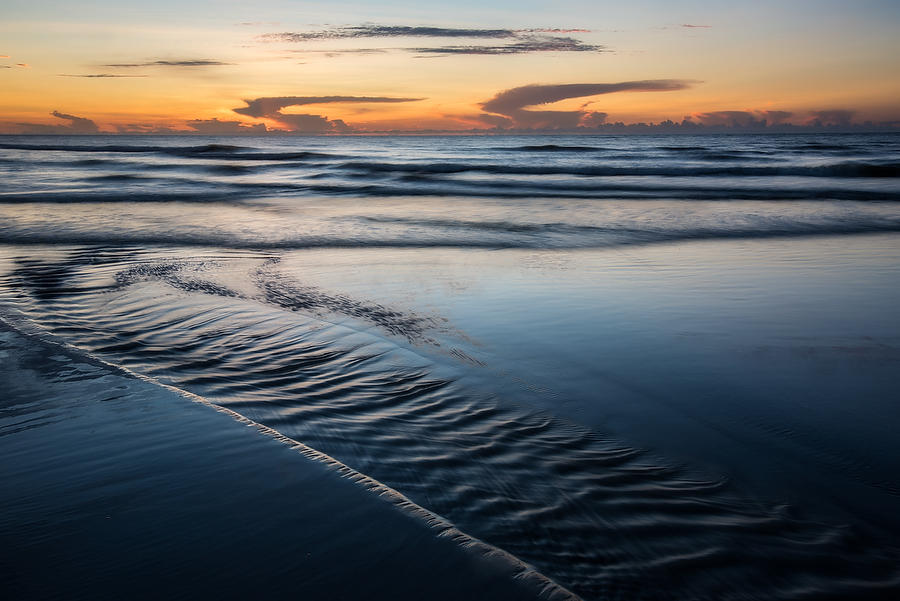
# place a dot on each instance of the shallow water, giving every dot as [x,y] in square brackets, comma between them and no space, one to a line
[606,356]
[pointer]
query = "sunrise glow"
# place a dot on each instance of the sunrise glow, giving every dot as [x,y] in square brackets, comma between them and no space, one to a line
[310,68]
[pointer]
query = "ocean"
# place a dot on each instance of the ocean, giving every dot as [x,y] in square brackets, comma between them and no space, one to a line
[642,367]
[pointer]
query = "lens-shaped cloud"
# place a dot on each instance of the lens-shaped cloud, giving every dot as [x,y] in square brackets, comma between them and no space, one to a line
[514,104]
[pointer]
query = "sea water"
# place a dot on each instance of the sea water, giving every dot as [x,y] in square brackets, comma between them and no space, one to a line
[652,366]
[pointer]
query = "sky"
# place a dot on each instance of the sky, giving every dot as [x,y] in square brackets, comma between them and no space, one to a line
[365,66]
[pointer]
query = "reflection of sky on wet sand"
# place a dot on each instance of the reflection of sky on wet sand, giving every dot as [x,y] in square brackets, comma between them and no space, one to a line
[772,360]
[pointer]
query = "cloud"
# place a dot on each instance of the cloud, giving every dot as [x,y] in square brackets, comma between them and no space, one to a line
[270,108]
[553,30]
[525,96]
[522,40]
[262,107]
[513,104]
[527,44]
[79,124]
[776,117]
[4,56]
[498,121]
[748,121]
[76,125]
[689,26]
[214,126]
[202,62]
[741,119]
[831,117]
[594,119]
[398,31]
[23,65]
[98,75]
[387,31]
[5,67]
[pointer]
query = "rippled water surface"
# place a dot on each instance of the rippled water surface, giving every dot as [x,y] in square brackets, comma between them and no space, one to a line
[651,367]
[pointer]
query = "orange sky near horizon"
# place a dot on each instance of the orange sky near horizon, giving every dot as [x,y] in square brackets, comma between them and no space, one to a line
[126,69]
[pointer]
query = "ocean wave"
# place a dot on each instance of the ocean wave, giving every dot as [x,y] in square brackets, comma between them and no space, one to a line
[821,146]
[834,170]
[130,148]
[771,226]
[597,192]
[118,196]
[709,152]
[205,151]
[551,148]
[631,154]
[249,191]
[430,184]
[448,233]
[118,177]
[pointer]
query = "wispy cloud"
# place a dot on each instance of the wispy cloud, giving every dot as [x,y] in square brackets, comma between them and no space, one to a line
[270,108]
[513,104]
[528,44]
[386,31]
[397,31]
[553,30]
[521,41]
[203,62]
[4,56]
[333,53]
[96,75]
[23,65]
[691,26]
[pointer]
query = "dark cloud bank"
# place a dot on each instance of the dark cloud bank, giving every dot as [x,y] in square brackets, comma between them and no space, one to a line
[508,115]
